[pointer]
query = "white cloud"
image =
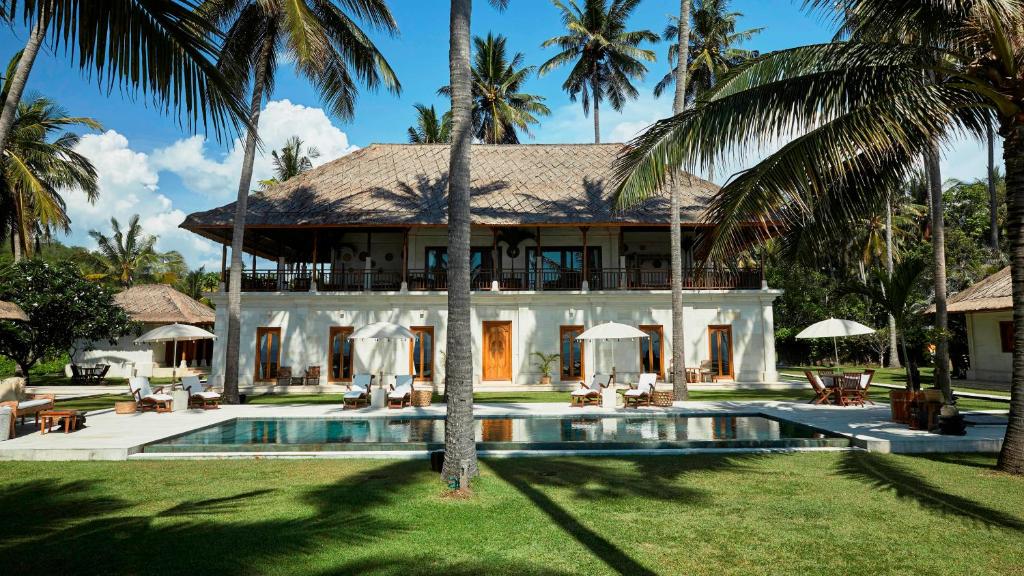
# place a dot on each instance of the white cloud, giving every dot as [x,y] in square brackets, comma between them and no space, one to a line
[216,174]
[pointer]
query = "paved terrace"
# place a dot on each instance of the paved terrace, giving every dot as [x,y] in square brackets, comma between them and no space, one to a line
[110,436]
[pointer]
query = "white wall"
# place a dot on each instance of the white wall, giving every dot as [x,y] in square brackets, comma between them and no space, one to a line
[988,361]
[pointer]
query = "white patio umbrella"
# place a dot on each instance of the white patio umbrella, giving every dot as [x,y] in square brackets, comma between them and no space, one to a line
[834,328]
[175,333]
[382,331]
[611,331]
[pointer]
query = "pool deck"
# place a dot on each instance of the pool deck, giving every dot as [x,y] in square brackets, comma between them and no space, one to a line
[110,436]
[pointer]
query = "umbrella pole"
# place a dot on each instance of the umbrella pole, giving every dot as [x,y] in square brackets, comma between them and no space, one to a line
[835,348]
[174,364]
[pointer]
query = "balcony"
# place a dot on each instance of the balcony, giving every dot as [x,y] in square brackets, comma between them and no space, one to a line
[514,279]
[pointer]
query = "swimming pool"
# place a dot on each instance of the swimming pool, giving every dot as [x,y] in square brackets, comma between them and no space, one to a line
[501,433]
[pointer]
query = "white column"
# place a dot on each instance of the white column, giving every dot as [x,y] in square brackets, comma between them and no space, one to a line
[769,374]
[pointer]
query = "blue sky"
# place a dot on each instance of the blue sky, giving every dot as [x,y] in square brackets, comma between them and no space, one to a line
[148,165]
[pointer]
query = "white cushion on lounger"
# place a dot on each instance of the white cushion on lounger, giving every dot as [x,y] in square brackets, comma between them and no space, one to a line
[159,397]
[361,381]
[208,395]
[634,392]
[647,382]
[583,392]
[355,393]
[400,391]
[26,404]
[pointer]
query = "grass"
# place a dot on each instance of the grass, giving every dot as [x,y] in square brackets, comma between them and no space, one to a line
[806,513]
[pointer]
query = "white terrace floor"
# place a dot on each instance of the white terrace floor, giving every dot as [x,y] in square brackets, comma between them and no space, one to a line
[110,436]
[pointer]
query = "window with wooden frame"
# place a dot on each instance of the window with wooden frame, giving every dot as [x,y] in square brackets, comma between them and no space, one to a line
[268,353]
[339,354]
[570,351]
[421,353]
[652,350]
[1006,336]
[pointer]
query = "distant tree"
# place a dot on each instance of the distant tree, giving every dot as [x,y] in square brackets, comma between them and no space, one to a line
[63,309]
[430,129]
[126,254]
[196,282]
[291,161]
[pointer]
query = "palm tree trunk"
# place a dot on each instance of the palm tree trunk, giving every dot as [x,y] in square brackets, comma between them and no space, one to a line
[680,390]
[939,251]
[894,355]
[1011,458]
[595,91]
[993,208]
[238,232]
[20,78]
[459,430]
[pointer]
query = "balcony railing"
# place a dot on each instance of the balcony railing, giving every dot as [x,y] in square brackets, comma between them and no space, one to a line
[508,279]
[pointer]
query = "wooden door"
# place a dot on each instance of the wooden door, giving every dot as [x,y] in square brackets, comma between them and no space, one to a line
[720,352]
[268,353]
[652,350]
[570,351]
[497,350]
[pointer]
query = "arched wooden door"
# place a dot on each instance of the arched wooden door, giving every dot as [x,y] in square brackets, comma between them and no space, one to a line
[497,350]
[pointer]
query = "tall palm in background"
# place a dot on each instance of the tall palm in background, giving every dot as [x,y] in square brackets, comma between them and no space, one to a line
[291,161]
[429,128]
[500,109]
[126,254]
[39,164]
[325,44]
[198,282]
[856,117]
[159,48]
[605,57]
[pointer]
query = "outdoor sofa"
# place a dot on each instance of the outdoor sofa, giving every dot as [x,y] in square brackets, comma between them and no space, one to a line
[21,403]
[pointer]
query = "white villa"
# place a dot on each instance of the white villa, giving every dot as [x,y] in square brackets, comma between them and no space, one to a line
[988,309]
[363,239]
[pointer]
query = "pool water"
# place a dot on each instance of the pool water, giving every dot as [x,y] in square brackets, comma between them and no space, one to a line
[516,433]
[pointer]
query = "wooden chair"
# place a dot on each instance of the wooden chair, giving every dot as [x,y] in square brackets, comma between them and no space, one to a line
[823,393]
[642,392]
[200,395]
[859,392]
[848,389]
[312,376]
[284,376]
[358,391]
[146,397]
[707,373]
[401,392]
[585,395]
[76,375]
[22,404]
[102,374]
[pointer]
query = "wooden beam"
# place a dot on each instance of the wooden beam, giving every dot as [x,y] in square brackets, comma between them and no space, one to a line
[538,264]
[405,256]
[586,269]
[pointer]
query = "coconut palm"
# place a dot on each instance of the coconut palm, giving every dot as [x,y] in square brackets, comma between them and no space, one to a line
[499,108]
[713,47]
[855,117]
[680,388]
[325,44]
[430,129]
[291,161]
[127,254]
[39,164]
[196,283]
[605,57]
[163,50]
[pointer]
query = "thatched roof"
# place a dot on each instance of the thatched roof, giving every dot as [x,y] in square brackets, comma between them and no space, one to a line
[406,185]
[159,303]
[11,311]
[992,293]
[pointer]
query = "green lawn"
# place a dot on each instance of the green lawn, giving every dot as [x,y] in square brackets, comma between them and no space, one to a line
[807,513]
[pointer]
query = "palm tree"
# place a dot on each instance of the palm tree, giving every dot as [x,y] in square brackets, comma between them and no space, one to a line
[499,108]
[197,282]
[712,47]
[605,57]
[856,117]
[39,163]
[125,255]
[291,162]
[993,202]
[326,46]
[680,387]
[429,129]
[164,50]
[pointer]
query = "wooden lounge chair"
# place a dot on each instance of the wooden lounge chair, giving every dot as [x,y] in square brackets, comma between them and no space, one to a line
[146,397]
[358,391]
[284,376]
[401,392]
[822,393]
[642,392]
[21,403]
[585,395]
[200,395]
[312,376]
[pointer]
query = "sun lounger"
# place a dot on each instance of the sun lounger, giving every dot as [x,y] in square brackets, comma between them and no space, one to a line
[590,394]
[200,395]
[358,391]
[21,403]
[401,392]
[643,391]
[146,397]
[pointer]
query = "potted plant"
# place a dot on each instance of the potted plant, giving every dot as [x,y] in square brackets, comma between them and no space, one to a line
[544,364]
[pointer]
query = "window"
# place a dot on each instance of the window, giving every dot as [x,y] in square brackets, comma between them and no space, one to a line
[1006,336]
[436,259]
[268,353]
[561,267]
[571,351]
[421,353]
[652,350]
[339,354]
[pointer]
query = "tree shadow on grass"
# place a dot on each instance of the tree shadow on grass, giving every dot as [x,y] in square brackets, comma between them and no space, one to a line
[885,473]
[417,566]
[651,478]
